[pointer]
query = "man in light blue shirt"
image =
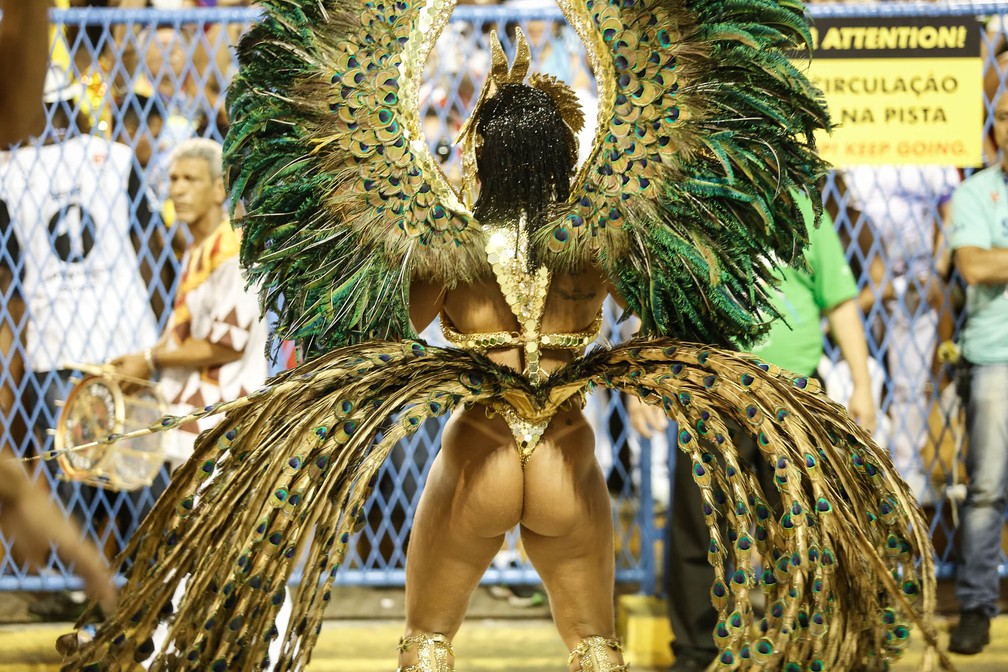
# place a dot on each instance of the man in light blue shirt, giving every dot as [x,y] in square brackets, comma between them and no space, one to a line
[980,240]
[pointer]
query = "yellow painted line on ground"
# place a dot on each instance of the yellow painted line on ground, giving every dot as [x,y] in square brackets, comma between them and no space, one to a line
[30,646]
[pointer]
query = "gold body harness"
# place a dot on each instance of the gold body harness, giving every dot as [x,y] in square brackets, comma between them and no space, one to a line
[525,291]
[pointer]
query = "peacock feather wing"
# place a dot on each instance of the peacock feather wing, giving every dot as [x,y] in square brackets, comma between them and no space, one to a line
[703,145]
[282,478]
[837,544]
[344,200]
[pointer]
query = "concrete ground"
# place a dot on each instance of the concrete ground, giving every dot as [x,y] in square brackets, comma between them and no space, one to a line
[496,636]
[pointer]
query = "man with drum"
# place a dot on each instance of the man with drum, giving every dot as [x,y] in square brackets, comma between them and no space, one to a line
[213,346]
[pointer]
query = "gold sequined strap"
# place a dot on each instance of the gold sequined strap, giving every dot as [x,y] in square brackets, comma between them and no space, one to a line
[592,653]
[575,340]
[433,650]
[491,340]
[524,288]
[480,341]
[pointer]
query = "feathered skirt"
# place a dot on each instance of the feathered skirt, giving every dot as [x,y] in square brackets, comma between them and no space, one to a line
[841,550]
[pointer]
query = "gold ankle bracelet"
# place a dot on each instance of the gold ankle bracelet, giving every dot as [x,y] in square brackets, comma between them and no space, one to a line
[593,655]
[432,652]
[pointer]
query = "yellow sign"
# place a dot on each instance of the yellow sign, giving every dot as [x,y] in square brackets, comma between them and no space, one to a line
[902,90]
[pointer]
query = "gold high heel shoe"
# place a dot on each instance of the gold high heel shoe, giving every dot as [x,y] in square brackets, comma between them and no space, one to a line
[432,652]
[593,655]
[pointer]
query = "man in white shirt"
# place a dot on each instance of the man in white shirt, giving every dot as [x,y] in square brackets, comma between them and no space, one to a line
[213,348]
[903,206]
[67,212]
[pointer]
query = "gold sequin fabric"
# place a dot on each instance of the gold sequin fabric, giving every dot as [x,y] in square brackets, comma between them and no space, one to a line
[491,340]
[432,652]
[524,289]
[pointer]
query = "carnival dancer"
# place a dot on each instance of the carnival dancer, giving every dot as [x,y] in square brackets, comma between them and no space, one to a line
[358,241]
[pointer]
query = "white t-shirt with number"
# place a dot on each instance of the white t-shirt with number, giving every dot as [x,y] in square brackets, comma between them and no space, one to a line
[69,207]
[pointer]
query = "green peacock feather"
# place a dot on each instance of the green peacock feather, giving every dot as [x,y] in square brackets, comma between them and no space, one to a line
[703,155]
[344,201]
[842,550]
[703,150]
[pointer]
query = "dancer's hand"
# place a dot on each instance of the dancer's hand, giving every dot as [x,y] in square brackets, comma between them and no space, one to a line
[35,523]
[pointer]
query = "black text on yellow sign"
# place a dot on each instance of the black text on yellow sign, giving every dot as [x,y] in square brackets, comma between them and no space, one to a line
[901,90]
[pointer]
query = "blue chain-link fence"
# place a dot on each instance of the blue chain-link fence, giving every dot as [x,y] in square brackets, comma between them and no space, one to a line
[127,86]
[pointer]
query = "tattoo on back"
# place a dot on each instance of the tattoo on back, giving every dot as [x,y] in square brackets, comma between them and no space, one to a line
[575,294]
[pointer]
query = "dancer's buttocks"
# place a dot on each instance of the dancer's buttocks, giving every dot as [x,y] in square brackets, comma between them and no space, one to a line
[500,490]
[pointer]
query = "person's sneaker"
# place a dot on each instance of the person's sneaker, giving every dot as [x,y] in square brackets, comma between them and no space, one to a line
[972,634]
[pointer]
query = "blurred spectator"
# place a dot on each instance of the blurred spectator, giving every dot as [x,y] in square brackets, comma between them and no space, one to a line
[68,202]
[207,57]
[213,348]
[140,118]
[66,198]
[994,52]
[167,65]
[979,236]
[213,58]
[158,57]
[907,261]
[21,84]
[555,46]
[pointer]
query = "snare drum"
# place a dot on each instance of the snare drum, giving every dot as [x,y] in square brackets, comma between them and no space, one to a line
[97,407]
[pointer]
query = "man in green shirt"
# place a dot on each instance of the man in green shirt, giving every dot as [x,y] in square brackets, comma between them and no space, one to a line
[804,297]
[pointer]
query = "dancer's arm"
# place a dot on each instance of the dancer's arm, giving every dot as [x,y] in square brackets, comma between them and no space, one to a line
[425,302]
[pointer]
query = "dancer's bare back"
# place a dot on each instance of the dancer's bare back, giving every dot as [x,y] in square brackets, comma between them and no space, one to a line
[573,303]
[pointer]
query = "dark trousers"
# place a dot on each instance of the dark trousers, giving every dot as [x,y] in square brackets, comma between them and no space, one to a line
[688,575]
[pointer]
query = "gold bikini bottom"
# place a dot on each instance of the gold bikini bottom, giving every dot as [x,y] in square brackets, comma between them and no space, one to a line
[528,420]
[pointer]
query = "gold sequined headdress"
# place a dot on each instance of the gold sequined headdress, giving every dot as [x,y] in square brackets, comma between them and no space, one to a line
[502,73]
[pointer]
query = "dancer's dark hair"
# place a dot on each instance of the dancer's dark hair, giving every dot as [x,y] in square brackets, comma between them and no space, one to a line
[526,157]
